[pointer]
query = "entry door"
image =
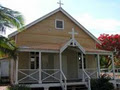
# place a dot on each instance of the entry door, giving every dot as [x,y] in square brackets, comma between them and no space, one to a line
[4,68]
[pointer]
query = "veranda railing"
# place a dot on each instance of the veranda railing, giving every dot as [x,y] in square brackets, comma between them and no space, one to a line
[28,76]
[47,75]
[88,79]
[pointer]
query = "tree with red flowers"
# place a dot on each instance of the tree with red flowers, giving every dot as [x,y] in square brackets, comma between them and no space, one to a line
[110,43]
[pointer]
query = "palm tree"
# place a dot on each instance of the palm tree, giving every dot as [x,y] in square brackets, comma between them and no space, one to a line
[7,48]
[9,19]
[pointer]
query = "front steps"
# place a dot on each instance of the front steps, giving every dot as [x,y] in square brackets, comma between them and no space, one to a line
[57,86]
[80,87]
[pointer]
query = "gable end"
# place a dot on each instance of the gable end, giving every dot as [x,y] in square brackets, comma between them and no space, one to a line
[51,13]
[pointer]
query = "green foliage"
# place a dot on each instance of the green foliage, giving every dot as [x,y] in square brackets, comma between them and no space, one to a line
[7,48]
[101,83]
[10,18]
[105,62]
[18,87]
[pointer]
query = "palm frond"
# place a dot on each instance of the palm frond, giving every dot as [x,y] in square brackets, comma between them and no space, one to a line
[7,47]
[10,18]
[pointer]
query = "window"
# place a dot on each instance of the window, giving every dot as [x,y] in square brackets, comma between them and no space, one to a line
[59,24]
[34,60]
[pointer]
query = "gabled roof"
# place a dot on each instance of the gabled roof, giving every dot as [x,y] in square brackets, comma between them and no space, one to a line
[51,13]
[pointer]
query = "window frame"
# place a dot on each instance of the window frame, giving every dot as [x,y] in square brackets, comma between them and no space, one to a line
[56,23]
[35,55]
[80,61]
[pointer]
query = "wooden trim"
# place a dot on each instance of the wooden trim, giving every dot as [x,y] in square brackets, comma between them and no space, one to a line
[83,78]
[98,63]
[32,50]
[29,61]
[60,58]
[65,46]
[54,85]
[113,66]
[69,44]
[78,65]
[11,72]
[16,79]
[102,53]
[40,70]
[79,46]
[0,70]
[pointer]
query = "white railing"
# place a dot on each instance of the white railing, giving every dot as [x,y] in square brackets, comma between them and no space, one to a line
[109,72]
[50,75]
[47,75]
[28,75]
[65,81]
[89,83]
[106,70]
[92,72]
[117,73]
[56,75]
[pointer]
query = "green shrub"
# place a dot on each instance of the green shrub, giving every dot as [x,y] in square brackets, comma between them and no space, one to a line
[19,87]
[101,84]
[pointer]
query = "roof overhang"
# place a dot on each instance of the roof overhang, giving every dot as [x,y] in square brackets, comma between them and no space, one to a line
[52,47]
[59,48]
[98,51]
[40,48]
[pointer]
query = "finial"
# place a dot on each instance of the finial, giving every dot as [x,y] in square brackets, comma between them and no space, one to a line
[60,3]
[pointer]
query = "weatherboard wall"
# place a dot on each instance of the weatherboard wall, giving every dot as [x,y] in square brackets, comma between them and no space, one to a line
[45,32]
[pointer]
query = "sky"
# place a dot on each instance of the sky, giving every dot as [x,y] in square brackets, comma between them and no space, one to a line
[97,16]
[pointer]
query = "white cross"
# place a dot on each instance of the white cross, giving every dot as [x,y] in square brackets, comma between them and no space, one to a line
[73,33]
[60,3]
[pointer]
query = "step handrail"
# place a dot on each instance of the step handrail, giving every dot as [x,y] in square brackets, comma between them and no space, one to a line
[65,80]
[89,83]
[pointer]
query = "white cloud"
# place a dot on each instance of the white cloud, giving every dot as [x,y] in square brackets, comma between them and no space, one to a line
[99,26]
